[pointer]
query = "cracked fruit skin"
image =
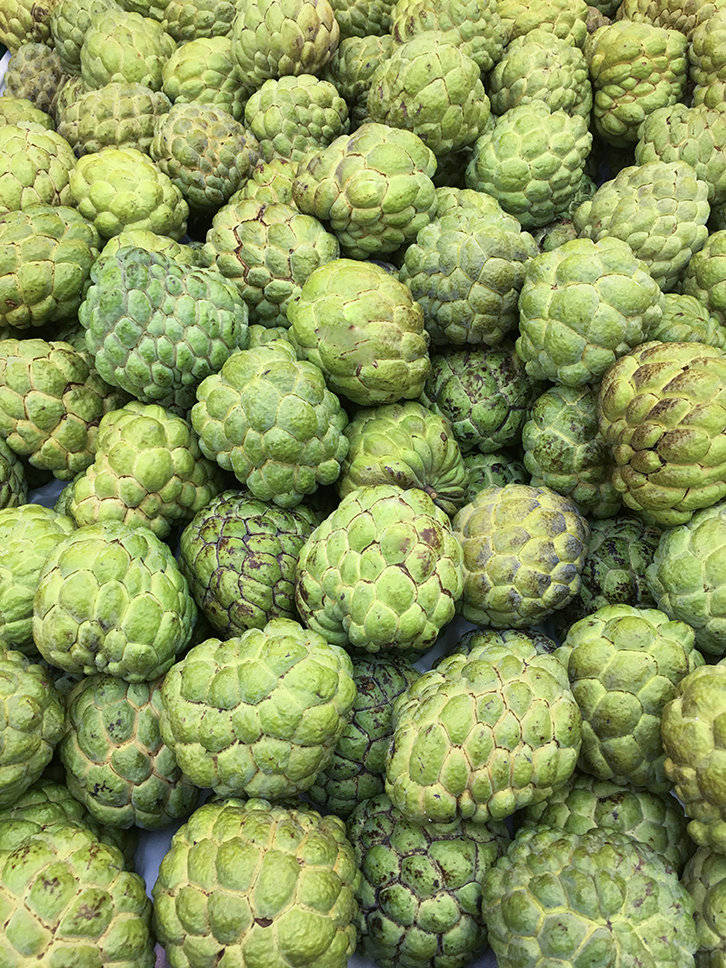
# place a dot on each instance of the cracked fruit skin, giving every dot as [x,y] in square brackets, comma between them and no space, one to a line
[239,555]
[259,714]
[597,898]
[382,572]
[625,665]
[663,414]
[112,599]
[482,735]
[291,898]
[524,550]
[420,889]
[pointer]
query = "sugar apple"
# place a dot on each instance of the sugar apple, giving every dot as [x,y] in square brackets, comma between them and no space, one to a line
[35,167]
[474,26]
[185,255]
[363,18]
[34,72]
[686,320]
[663,413]
[23,21]
[269,184]
[352,67]
[17,109]
[683,15]
[705,880]
[474,638]
[13,485]
[482,735]
[705,276]
[192,19]
[205,71]
[68,22]
[123,46]
[492,470]
[564,19]
[708,60]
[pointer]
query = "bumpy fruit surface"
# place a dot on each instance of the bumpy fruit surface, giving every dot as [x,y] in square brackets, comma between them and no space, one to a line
[123,46]
[112,599]
[17,109]
[564,19]
[708,61]
[524,550]
[685,319]
[669,455]
[420,890]
[34,72]
[382,572]
[22,21]
[363,18]
[482,735]
[69,20]
[705,880]
[293,892]
[705,277]
[204,71]
[189,19]
[13,486]
[492,470]
[352,67]
[185,255]
[625,664]
[291,697]
[474,26]
[35,167]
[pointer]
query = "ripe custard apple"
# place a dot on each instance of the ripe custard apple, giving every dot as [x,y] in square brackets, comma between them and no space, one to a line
[492,470]
[660,209]
[540,67]
[407,445]
[116,762]
[274,38]
[364,330]
[123,46]
[420,889]
[149,472]
[582,306]
[676,14]
[588,804]
[687,577]
[694,753]
[35,167]
[28,535]
[269,418]
[532,162]
[564,19]
[372,187]
[708,60]
[563,450]
[524,550]
[118,188]
[112,599]
[483,394]
[191,19]
[151,242]
[705,277]
[466,270]
[46,254]
[34,72]
[262,335]
[382,572]
[270,184]
[295,115]
[351,69]
[636,68]
[205,71]
[542,644]
[482,735]
[268,251]
[51,402]
[13,485]
[291,896]
[474,26]
[663,413]
[258,714]
[119,115]
[69,20]
[686,320]
[356,771]
[31,724]
[239,556]
[17,109]
[625,665]
[23,21]
[705,880]
[156,328]
[597,897]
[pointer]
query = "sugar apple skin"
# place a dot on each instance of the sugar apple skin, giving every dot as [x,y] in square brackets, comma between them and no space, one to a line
[686,320]
[124,46]
[484,395]
[382,572]
[373,187]
[627,904]
[268,250]
[28,534]
[116,762]
[532,162]
[112,599]
[420,889]
[561,18]
[13,485]
[46,256]
[68,22]
[524,550]
[542,644]
[23,21]
[482,735]
[476,28]
[295,874]
[357,769]
[34,72]
[364,330]
[149,472]
[18,109]
[270,184]
[674,14]
[118,188]
[204,71]
[292,696]
[185,255]
[582,306]
[190,19]
[407,445]
[705,880]
[686,577]
[641,205]
[705,277]
[589,804]
[351,69]
[563,450]
[156,328]
[31,723]
[35,167]
[492,470]
[625,665]
[51,404]
[663,413]
[691,732]
[707,60]
[239,556]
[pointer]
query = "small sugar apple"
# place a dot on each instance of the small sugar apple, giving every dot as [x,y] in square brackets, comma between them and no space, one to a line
[705,276]
[34,73]
[204,71]
[35,167]
[351,69]
[474,26]
[686,320]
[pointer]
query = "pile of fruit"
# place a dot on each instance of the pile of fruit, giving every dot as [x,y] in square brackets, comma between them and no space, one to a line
[343,322]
